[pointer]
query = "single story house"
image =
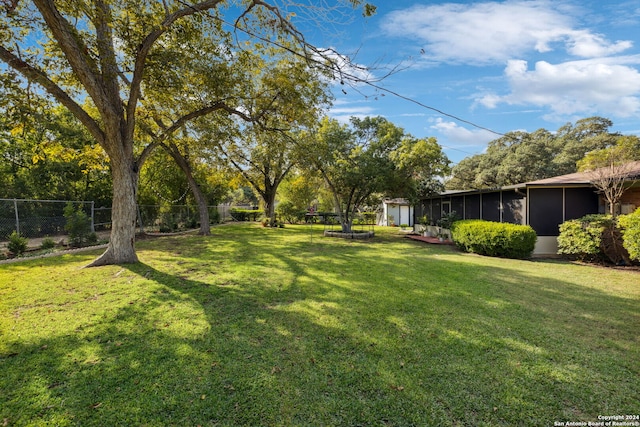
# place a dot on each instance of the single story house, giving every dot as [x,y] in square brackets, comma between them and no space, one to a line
[542,204]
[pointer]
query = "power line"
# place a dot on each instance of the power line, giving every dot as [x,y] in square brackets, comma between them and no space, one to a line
[351,77]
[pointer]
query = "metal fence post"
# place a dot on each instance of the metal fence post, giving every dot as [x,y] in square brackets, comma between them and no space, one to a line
[15,208]
[93,222]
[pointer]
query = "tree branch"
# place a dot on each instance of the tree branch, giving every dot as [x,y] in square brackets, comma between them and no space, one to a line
[75,52]
[35,75]
[145,48]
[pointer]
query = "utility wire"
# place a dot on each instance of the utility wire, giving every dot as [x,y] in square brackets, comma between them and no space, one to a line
[352,77]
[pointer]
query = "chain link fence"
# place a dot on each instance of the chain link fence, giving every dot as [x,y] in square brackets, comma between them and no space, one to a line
[45,218]
[36,218]
[169,218]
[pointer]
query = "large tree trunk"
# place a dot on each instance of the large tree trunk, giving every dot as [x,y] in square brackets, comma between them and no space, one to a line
[121,248]
[269,200]
[203,210]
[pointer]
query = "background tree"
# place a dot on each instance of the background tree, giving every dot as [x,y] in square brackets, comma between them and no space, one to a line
[45,152]
[420,161]
[372,156]
[300,189]
[573,141]
[264,167]
[519,157]
[289,97]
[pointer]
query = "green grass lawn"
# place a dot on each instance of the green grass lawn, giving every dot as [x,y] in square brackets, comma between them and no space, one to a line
[256,326]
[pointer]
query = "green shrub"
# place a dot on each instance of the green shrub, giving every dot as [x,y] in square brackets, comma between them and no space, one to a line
[582,238]
[214,217]
[17,244]
[78,226]
[630,225]
[246,214]
[289,212]
[447,220]
[47,243]
[494,238]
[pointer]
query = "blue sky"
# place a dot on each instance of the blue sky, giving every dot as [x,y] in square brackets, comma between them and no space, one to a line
[502,65]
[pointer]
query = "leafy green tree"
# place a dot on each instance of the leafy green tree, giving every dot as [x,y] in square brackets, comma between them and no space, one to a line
[289,97]
[109,53]
[464,174]
[573,141]
[301,188]
[420,161]
[372,156]
[520,156]
[46,152]
[262,158]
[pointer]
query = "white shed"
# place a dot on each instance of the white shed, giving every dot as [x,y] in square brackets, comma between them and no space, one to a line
[396,212]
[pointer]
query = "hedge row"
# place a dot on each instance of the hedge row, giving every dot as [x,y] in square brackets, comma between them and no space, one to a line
[494,238]
[246,214]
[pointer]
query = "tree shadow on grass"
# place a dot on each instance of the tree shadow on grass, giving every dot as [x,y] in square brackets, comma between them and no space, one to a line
[330,344]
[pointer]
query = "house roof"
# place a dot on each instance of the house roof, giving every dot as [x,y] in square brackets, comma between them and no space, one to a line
[572,179]
[580,178]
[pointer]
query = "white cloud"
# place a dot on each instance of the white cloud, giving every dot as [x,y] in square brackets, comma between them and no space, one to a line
[343,111]
[577,87]
[492,32]
[587,45]
[462,137]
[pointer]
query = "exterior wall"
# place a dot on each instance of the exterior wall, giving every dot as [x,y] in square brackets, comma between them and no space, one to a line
[543,208]
[550,207]
[491,207]
[546,246]
[631,197]
[506,206]
[580,202]
[457,205]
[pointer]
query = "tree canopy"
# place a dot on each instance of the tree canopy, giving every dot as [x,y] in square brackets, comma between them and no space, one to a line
[370,156]
[109,63]
[520,156]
